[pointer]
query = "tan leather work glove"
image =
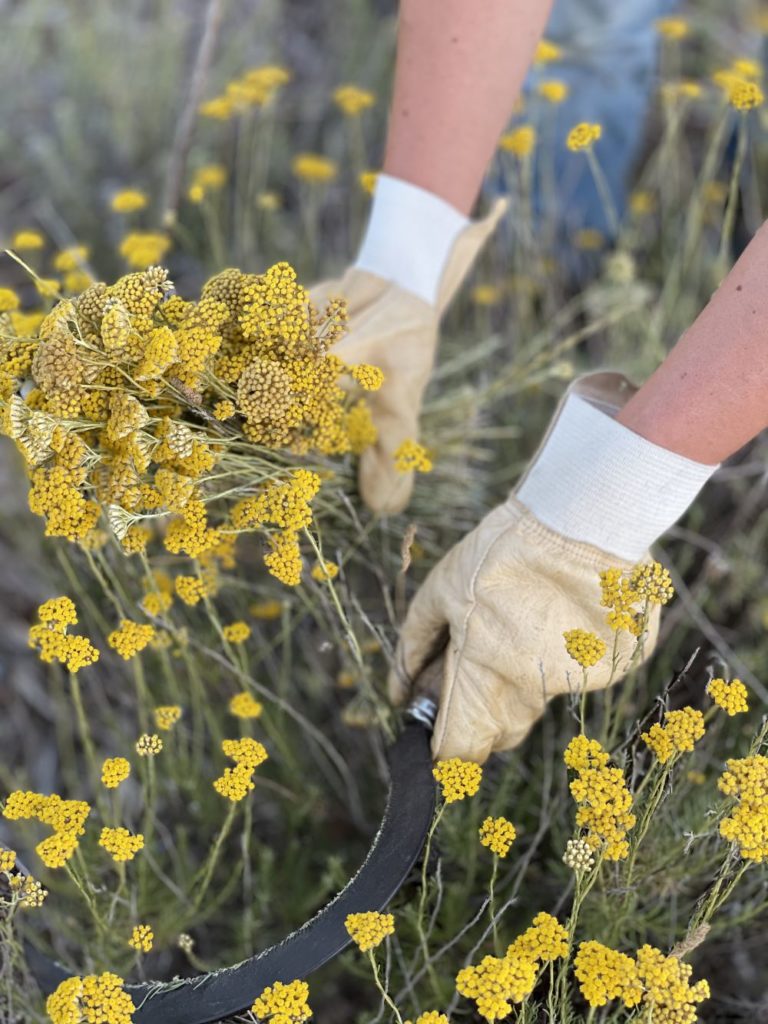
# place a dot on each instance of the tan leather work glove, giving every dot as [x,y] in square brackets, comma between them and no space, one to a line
[509,590]
[397,331]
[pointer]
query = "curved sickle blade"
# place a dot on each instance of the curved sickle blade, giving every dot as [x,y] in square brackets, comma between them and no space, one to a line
[394,851]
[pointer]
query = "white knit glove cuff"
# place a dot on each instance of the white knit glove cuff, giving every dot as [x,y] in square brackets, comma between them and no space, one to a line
[596,481]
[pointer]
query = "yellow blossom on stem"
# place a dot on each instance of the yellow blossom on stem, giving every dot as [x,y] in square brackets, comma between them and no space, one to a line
[120,844]
[553,91]
[367,930]
[91,999]
[237,632]
[314,168]
[458,779]
[495,983]
[544,941]
[114,771]
[520,141]
[27,240]
[604,974]
[9,300]
[245,705]
[167,716]
[412,457]
[584,647]
[325,571]
[368,377]
[128,200]
[142,938]
[352,100]
[7,860]
[746,780]
[730,696]
[546,52]
[284,1004]
[678,735]
[582,136]
[497,834]
[672,28]
[131,638]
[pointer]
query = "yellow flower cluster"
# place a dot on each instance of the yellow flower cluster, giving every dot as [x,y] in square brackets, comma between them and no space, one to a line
[142,249]
[497,982]
[142,938]
[167,716]
[114,771]
[582,136]
[672,28]
[128,200]
[31,892]
[411,457]
[678,735]
[314,168]
[140,393]
[352,100]
[50,638]
[370,378]
[658,983]
[206,179]
[457,778]
[553,90]
[325,571]
[745,95]
[498,834]
[131,638]
[256,88]
[244,705]
[622,590]
[236,783]
[283,1004]
[66,817]
[730,696]
[94,999]
[430,1017]
[121,844]
[7,860]
[584,647]
[236,632]
[746,780]
[27,240]
[148,745]
[604,801]
[368,929]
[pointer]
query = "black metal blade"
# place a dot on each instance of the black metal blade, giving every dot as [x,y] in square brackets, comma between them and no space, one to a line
[395,848]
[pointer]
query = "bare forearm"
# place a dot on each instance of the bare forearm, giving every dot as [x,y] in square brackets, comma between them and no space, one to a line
[460,67]
[710,395]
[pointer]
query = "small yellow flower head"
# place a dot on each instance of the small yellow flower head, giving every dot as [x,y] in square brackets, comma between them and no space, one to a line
[245,751]
[495,983]
[605,974]
[313,168]
[585,648]
[604,802]
[129,200]
[578,856]
[653,582]
[666,983]
[167,716]
[498,834]
[224,410]
[266,610]
[520,141]
[58,613]
[9,300]
[32,893]
[235,783]
[486,294]
[245,705]
[148,745]
[696,777]
[325,571]
[220,108]
[142,938]
[553,91]
[678,735]
[748,68]
[746,780]
[547,52]
[131,638]
[369,929]
[745,95]
[114,771]
[27,240]
[368,377]
[367,181]
[71,259]
[47,287]
[544,941]
[411,457]
[582,136]
[458,778]
[731,697]
[268,201]
[142,249]
[430,1017]
[672,28]
[120,844]
[352,100]
[7,860]
[190,589]
[284,1004]
[237,632]
[642,202]
[361,429]
[90,1000]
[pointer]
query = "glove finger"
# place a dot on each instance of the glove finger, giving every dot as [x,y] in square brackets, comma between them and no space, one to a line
[466,725]
[420,635]
[384,488]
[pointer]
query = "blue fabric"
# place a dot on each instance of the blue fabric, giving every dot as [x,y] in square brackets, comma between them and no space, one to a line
[609,62]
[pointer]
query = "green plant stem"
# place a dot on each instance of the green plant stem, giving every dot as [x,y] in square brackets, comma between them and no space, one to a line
[213,856]
[382,989]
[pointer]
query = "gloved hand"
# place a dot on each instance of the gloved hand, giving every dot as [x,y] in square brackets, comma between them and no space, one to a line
[397,331]
[507,592]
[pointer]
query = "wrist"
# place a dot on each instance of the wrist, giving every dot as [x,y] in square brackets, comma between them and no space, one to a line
[597,481]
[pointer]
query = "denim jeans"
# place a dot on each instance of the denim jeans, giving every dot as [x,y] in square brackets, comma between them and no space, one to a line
[609,62]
